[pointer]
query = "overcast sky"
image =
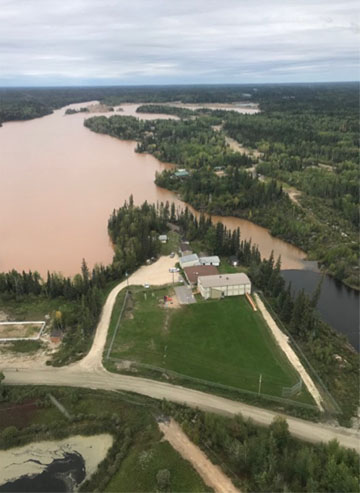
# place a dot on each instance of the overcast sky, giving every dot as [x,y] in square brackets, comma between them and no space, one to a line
[74,42]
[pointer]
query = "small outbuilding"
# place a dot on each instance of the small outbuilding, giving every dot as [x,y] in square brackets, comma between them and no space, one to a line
[233,260]
[163,238]
[224,285]
[181,173]
[214,260]
[189,260]
[56,336]
[192,273]
[185,248]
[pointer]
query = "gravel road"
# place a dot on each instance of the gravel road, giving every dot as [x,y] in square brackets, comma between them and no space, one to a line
[90,373]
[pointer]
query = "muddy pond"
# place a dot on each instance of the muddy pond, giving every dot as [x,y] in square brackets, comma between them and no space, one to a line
[56,466]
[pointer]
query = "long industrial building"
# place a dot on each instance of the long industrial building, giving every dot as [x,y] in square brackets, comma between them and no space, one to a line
[224,285]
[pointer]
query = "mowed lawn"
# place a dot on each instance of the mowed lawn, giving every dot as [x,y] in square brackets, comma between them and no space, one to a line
[221,341]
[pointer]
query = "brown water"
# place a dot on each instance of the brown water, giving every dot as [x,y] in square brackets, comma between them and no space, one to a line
[59,182]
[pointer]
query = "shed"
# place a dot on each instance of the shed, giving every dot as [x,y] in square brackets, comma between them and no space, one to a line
[181,173]
[56,336]
[214,260]
[163,238]
[224,285]
[185,249]
[192,273]
[189,260]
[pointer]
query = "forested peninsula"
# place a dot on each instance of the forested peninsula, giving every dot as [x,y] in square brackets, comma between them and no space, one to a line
[295,170]
[75,304]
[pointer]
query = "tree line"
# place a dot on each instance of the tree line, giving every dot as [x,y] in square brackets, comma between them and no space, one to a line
[268,458]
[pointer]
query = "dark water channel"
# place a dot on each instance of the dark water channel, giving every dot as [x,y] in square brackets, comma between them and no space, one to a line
[338,305]
[62,475]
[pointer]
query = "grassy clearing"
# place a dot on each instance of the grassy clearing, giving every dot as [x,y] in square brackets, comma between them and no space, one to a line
[172,245]
[33,307]
[139,470]
[22,346]
[226,267]
[223,342]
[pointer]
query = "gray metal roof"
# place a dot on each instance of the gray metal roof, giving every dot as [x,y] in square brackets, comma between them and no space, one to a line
[210,260]
[189,258]
[224,280]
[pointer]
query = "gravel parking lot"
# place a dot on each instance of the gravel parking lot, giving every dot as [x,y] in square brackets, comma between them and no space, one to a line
[184,295]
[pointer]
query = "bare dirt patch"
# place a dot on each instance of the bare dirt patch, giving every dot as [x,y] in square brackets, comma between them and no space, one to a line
[18,360]
[212,475]
[3,316]
[294,195]
[98,108]
[19,330]
[236,146]
[173,304]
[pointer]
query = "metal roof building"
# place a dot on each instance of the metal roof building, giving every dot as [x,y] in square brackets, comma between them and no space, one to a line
[189,260]
[193,273]
[224,285]
[213,260]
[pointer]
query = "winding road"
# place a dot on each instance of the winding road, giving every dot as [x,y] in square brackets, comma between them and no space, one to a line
[90,373]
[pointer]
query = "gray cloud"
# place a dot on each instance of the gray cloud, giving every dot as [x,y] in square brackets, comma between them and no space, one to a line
[169,41]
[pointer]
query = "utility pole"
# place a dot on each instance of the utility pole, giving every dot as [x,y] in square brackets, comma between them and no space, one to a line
[260,380]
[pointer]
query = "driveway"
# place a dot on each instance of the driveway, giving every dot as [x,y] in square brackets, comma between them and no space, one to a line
[184,295]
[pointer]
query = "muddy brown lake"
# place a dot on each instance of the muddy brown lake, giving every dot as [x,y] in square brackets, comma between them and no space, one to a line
[59,185]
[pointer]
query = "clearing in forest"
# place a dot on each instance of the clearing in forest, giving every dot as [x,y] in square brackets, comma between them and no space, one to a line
[223,342]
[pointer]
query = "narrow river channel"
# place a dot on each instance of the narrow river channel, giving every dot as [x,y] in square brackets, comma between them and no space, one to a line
[60,182]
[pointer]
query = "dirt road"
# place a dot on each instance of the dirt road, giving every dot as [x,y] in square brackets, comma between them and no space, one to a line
[154,274]
[103,380]
[89,373]
[212,475]
[283,341]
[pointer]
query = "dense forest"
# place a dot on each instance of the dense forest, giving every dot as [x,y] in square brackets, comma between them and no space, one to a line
[27,103]
[269,459]
[304,188]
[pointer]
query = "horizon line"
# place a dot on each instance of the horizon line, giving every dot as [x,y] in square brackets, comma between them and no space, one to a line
[176,84]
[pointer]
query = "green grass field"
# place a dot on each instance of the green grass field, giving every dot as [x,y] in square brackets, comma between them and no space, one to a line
[140,467]
[223,342]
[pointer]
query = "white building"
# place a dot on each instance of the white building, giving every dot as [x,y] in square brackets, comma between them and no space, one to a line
[189,260]
[214,260]
[163,238]
[224,285]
